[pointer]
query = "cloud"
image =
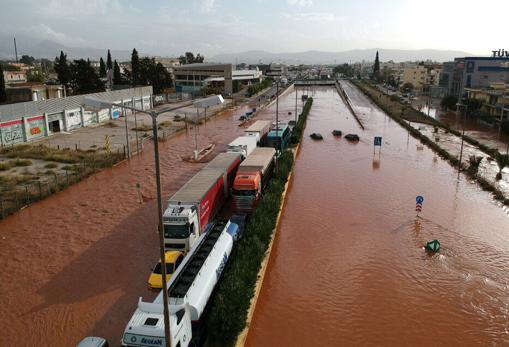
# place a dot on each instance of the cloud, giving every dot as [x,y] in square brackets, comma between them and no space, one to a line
[320,17]
[300,3]
[44,32]
[207,6]
[80,8]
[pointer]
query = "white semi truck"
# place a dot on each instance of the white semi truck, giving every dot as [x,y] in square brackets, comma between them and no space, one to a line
[244,145]
[188,292]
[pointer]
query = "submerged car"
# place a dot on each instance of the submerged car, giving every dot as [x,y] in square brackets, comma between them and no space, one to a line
[173,260]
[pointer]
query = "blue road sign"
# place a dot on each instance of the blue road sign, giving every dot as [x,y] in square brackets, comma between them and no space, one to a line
[419,199]
[378,141]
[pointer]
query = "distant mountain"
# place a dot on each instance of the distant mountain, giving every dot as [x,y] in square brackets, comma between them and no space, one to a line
[50,49]
[321,57]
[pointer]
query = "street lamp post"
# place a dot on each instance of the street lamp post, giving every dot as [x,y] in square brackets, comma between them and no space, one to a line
[459,104]
[100,104]
[295,104]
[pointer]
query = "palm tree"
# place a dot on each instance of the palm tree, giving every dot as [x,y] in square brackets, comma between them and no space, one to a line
[502,162]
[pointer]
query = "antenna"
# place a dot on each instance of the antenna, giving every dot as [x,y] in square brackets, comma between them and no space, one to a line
[16,50]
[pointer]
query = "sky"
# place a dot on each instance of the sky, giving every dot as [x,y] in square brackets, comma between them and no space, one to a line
[171,27]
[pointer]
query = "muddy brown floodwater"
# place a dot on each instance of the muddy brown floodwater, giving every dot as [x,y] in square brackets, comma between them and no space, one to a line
[348,267]
[75,264]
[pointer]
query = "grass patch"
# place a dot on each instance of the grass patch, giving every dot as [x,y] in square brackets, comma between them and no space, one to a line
[165,124]
[111,124]
[299,127]
[20,162]
[5,166]
[142,127]
[51,166]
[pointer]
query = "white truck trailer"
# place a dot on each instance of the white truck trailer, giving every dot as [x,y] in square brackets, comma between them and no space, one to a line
[244,145]
[188,292]
[258,130]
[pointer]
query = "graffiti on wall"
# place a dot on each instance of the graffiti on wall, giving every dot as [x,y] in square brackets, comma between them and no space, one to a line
[36,127]
[12,132]
[74,119]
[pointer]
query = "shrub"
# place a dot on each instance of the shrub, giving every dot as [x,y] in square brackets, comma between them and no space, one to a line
[20,162]
[449,102]
[5,166]
[51,166]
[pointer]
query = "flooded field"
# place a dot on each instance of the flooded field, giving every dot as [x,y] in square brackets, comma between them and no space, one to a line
[348,266]
[75,264]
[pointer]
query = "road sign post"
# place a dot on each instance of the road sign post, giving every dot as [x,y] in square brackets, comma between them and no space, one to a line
[418,204]
[377,142]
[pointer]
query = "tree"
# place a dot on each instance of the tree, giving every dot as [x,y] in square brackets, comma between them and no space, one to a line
[345,70]
[84,79]
[109,64]
[502,162]
[135,68]
[189,58]
[449,102]
[376,68]
[154,74]
[35,76]
[102,68]
[408,87]
[26,59]
[117,76]
[62,69]
[47,65]
[3,95]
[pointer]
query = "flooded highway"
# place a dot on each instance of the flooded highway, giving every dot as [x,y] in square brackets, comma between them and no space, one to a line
[75,264]
[348,267]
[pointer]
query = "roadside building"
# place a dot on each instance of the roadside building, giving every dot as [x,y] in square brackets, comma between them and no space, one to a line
[28,121]
[11,77]
[474,72]
[495,99]
[33,91]
[191,78]
[416,76]
[277,70]
[168,63]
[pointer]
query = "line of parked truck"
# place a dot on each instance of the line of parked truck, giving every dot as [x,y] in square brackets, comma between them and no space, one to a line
[190,227]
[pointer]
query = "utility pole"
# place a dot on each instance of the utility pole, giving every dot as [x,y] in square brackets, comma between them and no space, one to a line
[462,136]
[16,50]
[160,227]
[126,133]
[429,99]
[295,104]
[277,122]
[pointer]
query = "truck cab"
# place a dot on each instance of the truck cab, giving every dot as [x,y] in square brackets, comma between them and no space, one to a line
[181,227]
[247,190]
[146,327]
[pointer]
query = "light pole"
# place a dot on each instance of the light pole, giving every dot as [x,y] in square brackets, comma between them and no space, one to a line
[99,104]
[458,105]
[295,104]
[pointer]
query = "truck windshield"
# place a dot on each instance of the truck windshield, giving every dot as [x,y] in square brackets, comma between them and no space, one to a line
[242,192]
[176,231]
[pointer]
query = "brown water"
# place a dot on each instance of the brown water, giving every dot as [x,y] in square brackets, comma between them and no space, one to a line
[348,268]
[75,264]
